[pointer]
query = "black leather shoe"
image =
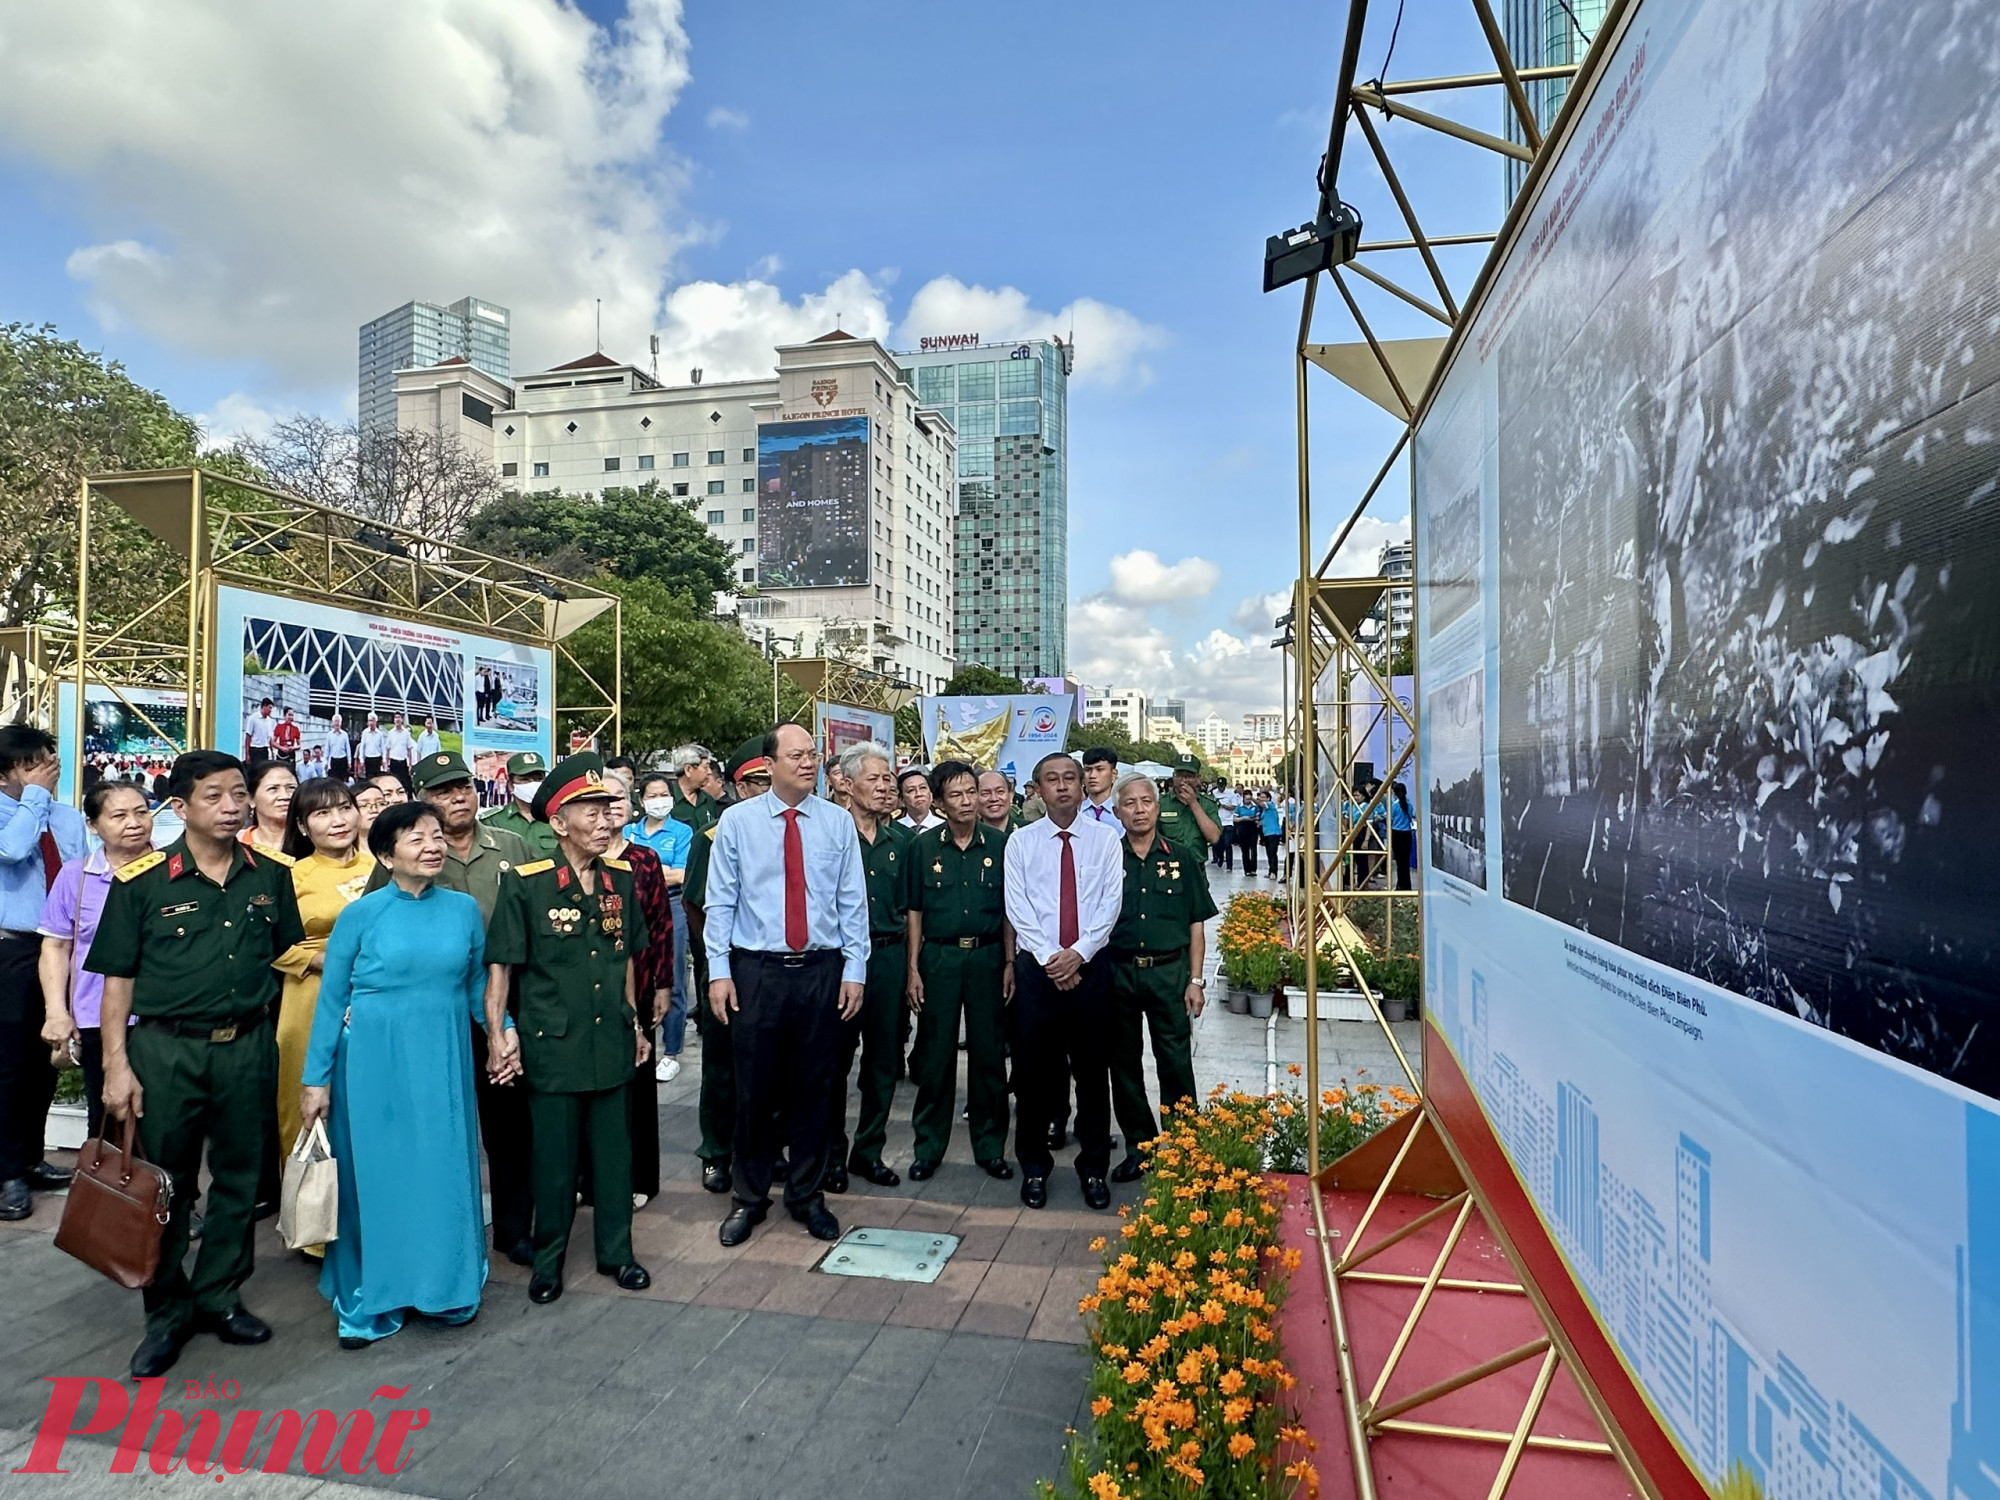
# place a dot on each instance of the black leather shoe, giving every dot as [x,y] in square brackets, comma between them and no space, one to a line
[715,1176]
[875,1172]
[156,1355]
[1096,1193]
[1035,1192]
[237,1326]
[820,1222]
[922,1171]
[736,1228]
[14,1200]
[836,1180]
[998,1168]
[543,1290]
[45,1177]
[1058,1137]
[522,1252]
[1129,1170]
[630,1278]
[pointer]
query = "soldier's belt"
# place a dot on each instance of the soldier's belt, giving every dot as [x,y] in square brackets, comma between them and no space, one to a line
[1149,960]
[884,939]
[961,942]
[201,1031]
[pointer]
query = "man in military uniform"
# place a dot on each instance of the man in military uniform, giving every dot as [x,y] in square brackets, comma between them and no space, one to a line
[1189,817]
[570,928]
[525,773]
[1156,967]
[750,773]
[478,856]
[870,776]
[996,803]
[960,960]
[697,788]
[185,944]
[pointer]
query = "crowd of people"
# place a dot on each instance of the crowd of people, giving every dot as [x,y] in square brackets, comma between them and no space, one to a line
[261,954]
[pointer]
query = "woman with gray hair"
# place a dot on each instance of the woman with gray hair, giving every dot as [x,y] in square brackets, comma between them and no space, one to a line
[870,776]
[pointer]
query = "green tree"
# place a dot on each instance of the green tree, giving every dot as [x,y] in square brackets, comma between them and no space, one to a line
[687,676]
[1113,737]
[975,681]
[66,411]
[626,534]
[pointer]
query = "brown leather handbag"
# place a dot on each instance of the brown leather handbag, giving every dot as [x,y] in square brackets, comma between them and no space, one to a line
[118,1208]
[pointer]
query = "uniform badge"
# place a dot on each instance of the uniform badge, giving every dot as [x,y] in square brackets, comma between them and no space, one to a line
[180,909]
[988,861]
[562,878]
[263,900]
[175,864]
[937,867]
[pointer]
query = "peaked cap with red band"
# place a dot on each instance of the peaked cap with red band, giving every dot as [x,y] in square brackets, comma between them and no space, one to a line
[579,778]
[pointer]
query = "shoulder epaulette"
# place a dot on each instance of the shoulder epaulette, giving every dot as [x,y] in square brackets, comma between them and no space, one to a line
[616,864]
[278,855]
[710,831]
[535,867]
[139,866]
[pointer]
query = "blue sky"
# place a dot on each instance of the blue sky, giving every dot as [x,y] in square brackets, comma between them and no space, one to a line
[730,175]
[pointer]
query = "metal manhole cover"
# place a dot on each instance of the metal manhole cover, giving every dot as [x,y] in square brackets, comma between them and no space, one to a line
[889,1254]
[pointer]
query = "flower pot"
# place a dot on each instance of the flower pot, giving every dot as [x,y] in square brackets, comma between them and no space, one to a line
[1260,1005]
[1395,1010]
[1237,1000]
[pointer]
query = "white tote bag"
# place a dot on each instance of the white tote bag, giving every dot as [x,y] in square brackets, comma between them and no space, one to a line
[309,1200]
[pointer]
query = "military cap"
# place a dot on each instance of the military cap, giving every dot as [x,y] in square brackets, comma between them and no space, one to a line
[578,778]
[439,770]
[1189,764]
[748,760]
[526,766]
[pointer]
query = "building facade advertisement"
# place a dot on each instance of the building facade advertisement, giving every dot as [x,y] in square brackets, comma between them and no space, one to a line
[1005,734]
[326,667]
[128,734]
[812,510]
[1705,509]
[838,725]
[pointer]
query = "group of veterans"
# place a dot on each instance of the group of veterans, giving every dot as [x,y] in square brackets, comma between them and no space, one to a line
[419,981]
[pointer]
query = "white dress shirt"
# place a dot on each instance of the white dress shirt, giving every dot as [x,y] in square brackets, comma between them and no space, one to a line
[337,746]
[372,740]
[1034,885]
[400,747]
[258,731]
[931,820]
[429,742]
[744,905]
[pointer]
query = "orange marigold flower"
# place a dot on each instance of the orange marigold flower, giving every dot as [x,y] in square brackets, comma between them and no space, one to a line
[1230,1383]
[1235,1409]
[1101,1406]
[1134,1373]
[1189,1369]
[1098,1243]
[1294,1069]
[1293,1260]
[1242,1445]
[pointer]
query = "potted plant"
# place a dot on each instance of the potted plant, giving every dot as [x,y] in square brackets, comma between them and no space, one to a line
[1263,972]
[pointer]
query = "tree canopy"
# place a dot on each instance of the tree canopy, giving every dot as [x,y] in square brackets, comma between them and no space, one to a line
[975,681]
[423,481]
[1113,737]
[627,534]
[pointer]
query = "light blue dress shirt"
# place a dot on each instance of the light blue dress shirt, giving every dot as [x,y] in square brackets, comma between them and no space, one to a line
[745,899]
[23,883]
[671,843]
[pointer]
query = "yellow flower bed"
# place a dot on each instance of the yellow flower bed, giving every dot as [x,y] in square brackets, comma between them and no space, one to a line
[1184,1395]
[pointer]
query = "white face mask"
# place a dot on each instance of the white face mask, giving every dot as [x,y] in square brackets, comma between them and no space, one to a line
[657,807]
[525,790]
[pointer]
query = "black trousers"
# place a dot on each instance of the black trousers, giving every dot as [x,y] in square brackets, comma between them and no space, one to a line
[1402,843]
[1270,842]
[785,1039]
[27,1077]
[508,1136]
[1065,1037]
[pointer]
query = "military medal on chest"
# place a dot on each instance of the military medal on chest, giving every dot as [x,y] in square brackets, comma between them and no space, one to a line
[564,918]
[611,913]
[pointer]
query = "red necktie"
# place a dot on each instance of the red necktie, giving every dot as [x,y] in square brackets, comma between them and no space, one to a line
[1066,927]
[795,883]
[51,860]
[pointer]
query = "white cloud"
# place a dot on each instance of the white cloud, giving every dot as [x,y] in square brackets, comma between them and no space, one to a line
[237,416]
[1360,554]
[722,117]
[1141,578]
[728,330]
[1256,613]
[278,175]
[1111,344]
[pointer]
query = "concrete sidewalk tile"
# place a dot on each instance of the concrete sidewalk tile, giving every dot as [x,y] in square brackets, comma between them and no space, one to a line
[1050,1381]
[1058,1318]
[742,1285]
[1030,1244]
[980,1241]
[1076,1254]
[1006,1300]
[863,1300]
[886,1376]
[988,1214]
[803,1292]
[604,1420]
[940,1304]
[675,1350]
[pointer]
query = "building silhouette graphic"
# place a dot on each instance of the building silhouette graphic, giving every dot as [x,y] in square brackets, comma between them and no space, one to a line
[1650,1278]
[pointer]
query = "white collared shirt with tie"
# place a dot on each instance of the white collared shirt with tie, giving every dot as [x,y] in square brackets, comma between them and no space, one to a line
[1034,884]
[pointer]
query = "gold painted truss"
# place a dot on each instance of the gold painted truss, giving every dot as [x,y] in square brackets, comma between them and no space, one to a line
[238,532]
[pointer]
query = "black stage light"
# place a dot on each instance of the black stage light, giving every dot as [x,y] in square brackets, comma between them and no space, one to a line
[1329,241]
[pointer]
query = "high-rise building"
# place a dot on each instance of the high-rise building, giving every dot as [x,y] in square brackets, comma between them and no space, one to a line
[418,335]
[1396,562]
[1009,404]
[1128,709]
[1545,34]
[1214,735]
[1172,708]
[1261,727]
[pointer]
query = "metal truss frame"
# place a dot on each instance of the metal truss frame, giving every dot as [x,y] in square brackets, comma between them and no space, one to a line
[1328,656]
[236,532]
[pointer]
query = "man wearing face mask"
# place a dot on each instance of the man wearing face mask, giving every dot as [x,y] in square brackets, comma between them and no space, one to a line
[524,778]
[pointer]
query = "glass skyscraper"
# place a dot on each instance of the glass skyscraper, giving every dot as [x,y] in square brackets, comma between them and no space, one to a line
[1010,406]
[1545,34]
[420,334]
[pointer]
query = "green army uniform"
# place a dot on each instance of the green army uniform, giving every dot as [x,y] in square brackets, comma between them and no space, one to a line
[717,1110]
[959,893]
[700,813]
[1177,824]
[571,952]
[876,1031]
[203,1050]
[510,818]
[1166,893]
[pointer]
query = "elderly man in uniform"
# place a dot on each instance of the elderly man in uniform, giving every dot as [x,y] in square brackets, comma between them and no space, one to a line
[570,927]
[787,933]
[697,787]
[185,946]
[525,774]
[1189,817]
[750,774]
[1156,962]
[477,858]
[960,952]
[870,776]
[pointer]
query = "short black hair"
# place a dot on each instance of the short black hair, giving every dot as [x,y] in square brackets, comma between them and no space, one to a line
[1036,774]
[908,771]
[1100,755]
[621,763]
[23,745]
[198,765]
[97,796]
[386,829]
[771,737]
[651,778]
[263,771]
[267,703]
[945,772]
